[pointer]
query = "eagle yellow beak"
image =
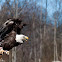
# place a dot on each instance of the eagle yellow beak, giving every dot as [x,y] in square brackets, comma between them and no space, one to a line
[26,38]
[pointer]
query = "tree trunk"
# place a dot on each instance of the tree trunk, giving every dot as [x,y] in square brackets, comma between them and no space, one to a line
[14,49]
[40,58]
[55,44]
[34,37]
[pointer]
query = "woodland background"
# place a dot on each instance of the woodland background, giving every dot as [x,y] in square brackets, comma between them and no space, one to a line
[44,29]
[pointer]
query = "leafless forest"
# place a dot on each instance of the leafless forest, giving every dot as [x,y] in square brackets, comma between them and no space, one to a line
[44,30]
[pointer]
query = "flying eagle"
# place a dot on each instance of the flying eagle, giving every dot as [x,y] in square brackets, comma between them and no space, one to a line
[10,35]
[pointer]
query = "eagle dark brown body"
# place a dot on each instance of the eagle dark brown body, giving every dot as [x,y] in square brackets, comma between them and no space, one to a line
[9,41]
[8,34]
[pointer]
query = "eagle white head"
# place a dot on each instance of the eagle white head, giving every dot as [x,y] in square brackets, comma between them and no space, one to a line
[20,38]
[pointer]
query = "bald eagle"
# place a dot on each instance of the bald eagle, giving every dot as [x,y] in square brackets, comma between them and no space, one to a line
[10,35]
